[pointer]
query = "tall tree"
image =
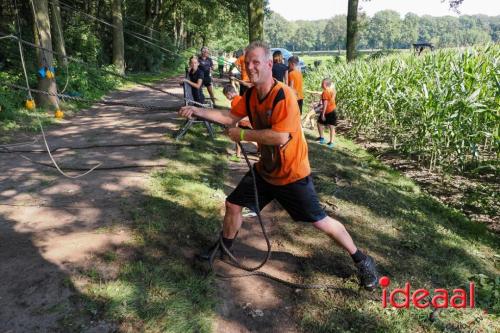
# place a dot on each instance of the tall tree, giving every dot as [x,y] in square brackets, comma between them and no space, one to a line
[352,29]
[118,40]
[58,33]
[255,20]
[335,32]
[44,53]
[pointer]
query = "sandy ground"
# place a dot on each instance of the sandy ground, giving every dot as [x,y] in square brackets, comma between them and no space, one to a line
[52,226]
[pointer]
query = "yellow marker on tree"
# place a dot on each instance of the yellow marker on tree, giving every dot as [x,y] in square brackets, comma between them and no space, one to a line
[30,104]
[59,114]
[49,74]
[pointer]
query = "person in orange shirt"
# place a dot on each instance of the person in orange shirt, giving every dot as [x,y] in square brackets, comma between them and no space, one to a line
[230,92]
[328,115]
[295,80]
[244,81]
[282,172]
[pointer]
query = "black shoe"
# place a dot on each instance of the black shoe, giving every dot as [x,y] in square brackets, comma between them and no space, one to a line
[367,272]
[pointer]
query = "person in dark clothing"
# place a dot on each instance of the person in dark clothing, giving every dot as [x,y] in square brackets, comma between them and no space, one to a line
[280,70]
[206,65]
[194,78]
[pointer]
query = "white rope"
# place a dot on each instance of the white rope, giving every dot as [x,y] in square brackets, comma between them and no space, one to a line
[8,36]
[38,116]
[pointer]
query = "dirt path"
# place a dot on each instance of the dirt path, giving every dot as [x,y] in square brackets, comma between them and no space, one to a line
[51,226]
[254,304]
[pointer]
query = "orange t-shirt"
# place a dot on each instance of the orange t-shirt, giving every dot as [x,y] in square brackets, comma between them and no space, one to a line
[285,164]
[296,77]
[243,123]
[328,97]
[240,62]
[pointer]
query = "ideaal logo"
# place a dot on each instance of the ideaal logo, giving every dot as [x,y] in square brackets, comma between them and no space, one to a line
[460,298]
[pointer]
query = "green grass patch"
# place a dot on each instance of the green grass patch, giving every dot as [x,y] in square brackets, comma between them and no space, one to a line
[160,288]
[412,237]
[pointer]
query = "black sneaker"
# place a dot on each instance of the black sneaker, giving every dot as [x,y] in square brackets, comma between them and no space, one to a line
[367,272]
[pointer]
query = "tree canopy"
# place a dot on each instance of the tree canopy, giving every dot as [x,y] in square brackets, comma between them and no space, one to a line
[386,29]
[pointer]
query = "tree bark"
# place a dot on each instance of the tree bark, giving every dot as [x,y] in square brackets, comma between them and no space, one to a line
[118,40]
[352,29]
[43,38]
[58,33]
[255,20]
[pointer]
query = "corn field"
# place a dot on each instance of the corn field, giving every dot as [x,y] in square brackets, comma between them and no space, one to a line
[441,107]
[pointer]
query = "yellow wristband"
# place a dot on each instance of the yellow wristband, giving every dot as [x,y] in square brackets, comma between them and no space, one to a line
[242,134]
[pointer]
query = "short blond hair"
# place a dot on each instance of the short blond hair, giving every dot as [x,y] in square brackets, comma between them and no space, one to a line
[260,44]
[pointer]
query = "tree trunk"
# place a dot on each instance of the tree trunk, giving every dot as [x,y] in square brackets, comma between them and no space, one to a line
[43,38]
[352,29]
[255,20]
[58,33]
[118,41]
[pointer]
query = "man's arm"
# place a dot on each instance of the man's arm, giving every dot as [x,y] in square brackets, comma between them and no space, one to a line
[265,136]
[216,115]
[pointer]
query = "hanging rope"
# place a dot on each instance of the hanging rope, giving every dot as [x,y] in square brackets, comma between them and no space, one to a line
[37,115]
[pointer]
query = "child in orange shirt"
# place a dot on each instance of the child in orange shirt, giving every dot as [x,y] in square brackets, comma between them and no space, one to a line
[295,80]
[230,92]
[328,115]
[245,80]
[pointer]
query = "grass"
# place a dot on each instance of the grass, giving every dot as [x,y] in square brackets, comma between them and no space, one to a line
[159,288]
[412,237]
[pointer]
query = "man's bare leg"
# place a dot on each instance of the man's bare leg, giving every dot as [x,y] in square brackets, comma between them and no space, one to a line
[365,264]
[336,231]
[232,220]
[232,223]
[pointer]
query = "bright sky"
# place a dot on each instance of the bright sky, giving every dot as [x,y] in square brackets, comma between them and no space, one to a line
[322,9]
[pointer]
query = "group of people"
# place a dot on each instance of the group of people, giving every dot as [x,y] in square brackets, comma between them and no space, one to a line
[267,112]
[199,75]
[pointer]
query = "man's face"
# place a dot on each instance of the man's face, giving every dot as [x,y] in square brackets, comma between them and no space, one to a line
[258,66]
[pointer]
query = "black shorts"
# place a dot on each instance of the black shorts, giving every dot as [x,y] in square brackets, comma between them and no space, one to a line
[300,102]
[299,198]
[330,119]
[207,81]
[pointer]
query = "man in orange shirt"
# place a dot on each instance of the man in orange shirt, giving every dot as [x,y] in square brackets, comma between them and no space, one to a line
[295,80]
[328,115]
[283,171]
